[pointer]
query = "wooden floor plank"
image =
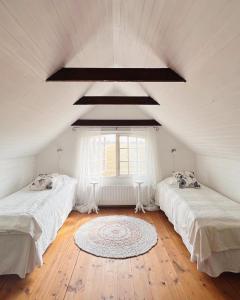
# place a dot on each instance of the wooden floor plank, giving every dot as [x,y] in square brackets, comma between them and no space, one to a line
[165,272]
[164,279]
[109,288]
[195,284]
[78,282]
[124,282]
[140,280]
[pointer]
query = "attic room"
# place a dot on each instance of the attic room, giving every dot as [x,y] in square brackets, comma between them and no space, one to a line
[120,149]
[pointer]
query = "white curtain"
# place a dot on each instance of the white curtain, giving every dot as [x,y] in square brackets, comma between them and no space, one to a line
[89,167]
[148,171]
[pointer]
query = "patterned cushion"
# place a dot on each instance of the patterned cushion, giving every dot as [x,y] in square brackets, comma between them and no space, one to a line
[177,176]
[186,179]
[42,182]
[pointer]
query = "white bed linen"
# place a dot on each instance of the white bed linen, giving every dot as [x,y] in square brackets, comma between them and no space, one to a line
[208,223]
[34,214]
[17,254]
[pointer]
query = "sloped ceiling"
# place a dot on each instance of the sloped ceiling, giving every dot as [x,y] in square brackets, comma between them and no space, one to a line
[198,39]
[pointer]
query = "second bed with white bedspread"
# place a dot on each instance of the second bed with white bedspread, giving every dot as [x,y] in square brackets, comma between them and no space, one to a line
[208,222]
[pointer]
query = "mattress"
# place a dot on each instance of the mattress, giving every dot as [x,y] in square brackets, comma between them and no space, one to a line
[208,222]
[34,217]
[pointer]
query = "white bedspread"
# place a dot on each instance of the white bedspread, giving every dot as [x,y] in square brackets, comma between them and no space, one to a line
[207,221]
[39,214]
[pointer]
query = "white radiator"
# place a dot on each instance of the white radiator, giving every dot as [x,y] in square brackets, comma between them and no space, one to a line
[117,195]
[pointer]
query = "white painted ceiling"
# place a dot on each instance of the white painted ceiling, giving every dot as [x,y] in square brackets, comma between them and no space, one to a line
[200,39]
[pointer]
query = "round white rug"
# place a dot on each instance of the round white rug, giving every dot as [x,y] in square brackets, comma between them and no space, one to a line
[116,236]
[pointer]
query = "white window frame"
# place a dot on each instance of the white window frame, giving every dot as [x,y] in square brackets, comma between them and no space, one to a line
[118,175]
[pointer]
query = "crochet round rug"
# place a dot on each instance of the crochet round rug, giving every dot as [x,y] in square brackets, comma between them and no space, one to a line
[116,237]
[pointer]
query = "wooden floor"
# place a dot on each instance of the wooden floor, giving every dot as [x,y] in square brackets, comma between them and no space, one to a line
[163,273]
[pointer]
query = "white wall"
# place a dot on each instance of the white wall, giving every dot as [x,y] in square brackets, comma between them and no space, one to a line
[48,160]
[220,174]
[15,174]
[184,158]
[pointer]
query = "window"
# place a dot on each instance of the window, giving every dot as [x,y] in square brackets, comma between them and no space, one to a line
[109,163]
[123,155]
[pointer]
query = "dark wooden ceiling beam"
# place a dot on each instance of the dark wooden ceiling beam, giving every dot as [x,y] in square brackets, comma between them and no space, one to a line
[117,74]
[116,100]
[115,123]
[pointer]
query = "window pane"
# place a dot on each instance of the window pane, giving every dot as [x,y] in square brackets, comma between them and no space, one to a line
[132,168]
[141,154]
[141,149]
[123,154]
[132,155]
[110,155]
[123,139]
[123,168]
[132,142]
[129,157]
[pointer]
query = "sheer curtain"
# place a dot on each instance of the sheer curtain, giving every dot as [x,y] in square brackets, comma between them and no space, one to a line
[153,171]
[148,170]
[89,167]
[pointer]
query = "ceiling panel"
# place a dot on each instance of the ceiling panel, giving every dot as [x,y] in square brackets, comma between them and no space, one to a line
[200,40]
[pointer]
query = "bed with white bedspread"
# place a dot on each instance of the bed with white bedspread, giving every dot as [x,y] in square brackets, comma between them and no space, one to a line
[29,221]
[208,222]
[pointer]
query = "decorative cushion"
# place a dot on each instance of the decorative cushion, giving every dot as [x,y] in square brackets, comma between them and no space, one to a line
[42,182]
[189,174]
[177,176]
[186,179]
[187,182]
